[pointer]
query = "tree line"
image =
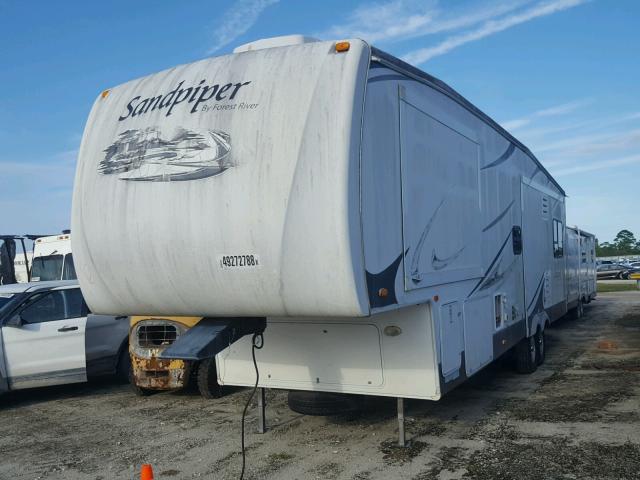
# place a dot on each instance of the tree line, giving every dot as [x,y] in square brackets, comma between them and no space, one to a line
[625,243]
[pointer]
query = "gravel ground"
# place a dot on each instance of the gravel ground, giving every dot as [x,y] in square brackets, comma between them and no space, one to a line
[577,417]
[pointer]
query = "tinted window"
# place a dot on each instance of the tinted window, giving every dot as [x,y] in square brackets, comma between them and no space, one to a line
[54,305]
[4,299]
[69,270]
[47,268]
[558,239]
[46,307]
[74,303]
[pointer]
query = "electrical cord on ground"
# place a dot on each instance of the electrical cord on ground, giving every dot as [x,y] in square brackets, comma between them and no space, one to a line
[257,342]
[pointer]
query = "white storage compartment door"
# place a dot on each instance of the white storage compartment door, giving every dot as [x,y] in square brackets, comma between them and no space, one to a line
[440,198]
[322,355]
[451,339]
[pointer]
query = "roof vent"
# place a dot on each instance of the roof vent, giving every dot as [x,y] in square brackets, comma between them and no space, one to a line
[283,41]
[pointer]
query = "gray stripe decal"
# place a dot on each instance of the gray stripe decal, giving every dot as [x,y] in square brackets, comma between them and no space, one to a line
[499,217]
[492,264]
[502,158]
[415,261]
[536,294]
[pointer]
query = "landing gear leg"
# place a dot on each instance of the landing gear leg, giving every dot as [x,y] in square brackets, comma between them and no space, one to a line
[402,441]
[262,422]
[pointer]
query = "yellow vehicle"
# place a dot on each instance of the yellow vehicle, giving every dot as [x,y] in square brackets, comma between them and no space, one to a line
[148,337]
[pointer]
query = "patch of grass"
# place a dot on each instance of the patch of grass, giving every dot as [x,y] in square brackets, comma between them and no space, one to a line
[616,287]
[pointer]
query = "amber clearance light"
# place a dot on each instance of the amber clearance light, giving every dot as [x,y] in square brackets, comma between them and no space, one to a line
[342,47]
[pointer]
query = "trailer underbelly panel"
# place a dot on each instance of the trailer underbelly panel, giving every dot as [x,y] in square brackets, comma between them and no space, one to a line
[390,354]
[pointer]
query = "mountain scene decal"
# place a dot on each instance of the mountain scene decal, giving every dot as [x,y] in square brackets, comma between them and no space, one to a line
[144,155]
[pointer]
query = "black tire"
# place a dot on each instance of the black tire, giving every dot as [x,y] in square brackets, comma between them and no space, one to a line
[625,275]
[324,403]
[577,312]
[208,379]
[525,355]
[541,346]
[139,391]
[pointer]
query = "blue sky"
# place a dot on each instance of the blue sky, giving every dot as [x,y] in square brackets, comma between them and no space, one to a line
[562,75]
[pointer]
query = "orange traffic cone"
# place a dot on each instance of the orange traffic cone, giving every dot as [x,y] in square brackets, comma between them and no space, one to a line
[146,472]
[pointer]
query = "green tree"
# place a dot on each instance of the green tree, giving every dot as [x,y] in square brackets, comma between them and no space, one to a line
[625,242]
[606,249]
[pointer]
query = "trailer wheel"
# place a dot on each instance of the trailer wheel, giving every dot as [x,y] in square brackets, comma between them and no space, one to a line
[525,355]
[323,403]
[208,385]
[576,313]
[540,346]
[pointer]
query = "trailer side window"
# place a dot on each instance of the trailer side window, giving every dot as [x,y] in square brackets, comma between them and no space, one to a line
[498,310]
[558,238]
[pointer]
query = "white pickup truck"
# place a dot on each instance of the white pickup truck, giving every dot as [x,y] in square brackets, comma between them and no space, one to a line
[48,337]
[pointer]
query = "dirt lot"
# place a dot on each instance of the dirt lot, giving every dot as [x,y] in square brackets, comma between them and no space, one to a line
[577,417]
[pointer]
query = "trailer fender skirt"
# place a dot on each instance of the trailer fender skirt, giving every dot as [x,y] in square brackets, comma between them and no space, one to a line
[210,336]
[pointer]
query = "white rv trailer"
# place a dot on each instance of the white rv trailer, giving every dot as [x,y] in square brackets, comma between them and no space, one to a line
[580,269]
[396,239]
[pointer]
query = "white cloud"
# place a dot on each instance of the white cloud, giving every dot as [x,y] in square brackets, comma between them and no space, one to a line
[597,165]
[238,20]
[557,110]
[489,28]
[402,19]
[584,125]
[593,143]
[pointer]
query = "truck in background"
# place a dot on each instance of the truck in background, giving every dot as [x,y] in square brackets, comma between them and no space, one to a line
[148,338]
[52,258]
